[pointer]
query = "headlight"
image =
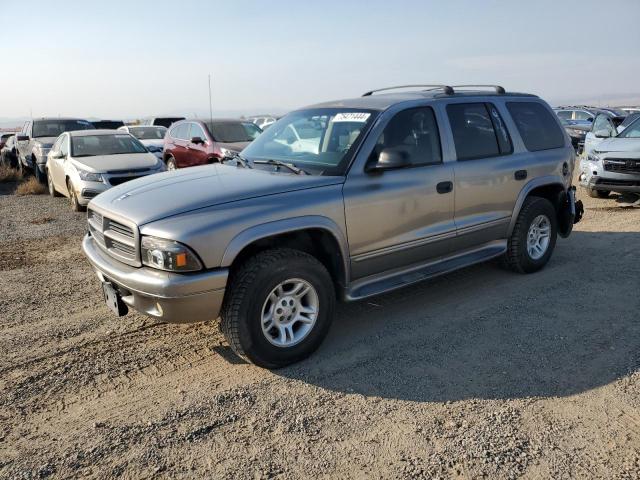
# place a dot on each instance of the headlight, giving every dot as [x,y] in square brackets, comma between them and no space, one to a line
[168,255]
[574,133]
[89,176]
[227,153]
[42,151]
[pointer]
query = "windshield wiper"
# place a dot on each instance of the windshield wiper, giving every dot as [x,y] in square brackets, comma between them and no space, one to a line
[239,159]
[278,163]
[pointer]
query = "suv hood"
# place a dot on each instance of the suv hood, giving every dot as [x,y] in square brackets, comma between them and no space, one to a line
[234,146]
[111,163]
[153,142]
[619,145]
[46,142]
[163,195]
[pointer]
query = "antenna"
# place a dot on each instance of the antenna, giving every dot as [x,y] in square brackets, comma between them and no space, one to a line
[210,104]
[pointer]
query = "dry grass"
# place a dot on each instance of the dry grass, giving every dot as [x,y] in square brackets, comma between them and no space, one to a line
[41,221]
[31,186]
[8,174]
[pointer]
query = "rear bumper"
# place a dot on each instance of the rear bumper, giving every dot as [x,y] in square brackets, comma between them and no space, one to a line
[170,297]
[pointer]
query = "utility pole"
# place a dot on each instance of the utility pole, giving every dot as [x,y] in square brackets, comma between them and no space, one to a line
[210,104]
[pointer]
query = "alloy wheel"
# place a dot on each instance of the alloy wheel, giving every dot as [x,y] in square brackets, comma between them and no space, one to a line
[538,237]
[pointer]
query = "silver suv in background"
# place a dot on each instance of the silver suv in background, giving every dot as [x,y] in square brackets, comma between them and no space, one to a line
[380,192]
[614,165]
[36,138]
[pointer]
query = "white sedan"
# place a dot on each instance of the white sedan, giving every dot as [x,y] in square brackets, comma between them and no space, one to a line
[151,136]
[85,163]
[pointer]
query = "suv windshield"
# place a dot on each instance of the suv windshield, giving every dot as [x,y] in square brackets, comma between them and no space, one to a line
[229,132]
[54,128]
[148,133]
[321,139]
[92,145]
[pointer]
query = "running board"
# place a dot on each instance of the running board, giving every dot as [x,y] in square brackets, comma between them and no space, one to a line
[389,281]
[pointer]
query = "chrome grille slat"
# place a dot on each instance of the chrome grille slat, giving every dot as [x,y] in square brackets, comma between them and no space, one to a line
[117,239]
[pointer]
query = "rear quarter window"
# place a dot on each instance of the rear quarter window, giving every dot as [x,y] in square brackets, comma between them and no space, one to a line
[537,126]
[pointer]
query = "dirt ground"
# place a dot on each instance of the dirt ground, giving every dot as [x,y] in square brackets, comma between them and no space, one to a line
[479,374]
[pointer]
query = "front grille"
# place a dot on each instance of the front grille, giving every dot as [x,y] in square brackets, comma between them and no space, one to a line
[622,165]
[119,180]
[117,239]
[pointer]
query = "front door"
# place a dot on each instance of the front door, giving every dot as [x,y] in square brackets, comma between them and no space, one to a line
[399,217]
[196,153]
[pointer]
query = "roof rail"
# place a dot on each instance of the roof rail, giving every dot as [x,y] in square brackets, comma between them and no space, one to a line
[447,89]
[497,88]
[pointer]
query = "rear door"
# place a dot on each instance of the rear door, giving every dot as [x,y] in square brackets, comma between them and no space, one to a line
[178,136]
[23,146]
[486,183]
[404,216]
[196,152]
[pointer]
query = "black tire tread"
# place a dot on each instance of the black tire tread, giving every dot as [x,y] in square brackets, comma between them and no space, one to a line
[239,288]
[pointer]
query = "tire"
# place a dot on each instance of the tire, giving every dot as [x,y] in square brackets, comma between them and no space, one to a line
[171,163]
[52,189]
[593,193]
[73,198]
[519,257]
[36,173]
[250,293]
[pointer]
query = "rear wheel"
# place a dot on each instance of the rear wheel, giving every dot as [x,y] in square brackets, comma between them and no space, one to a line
[278,308]
[52,189]
[534,236]
[171,164]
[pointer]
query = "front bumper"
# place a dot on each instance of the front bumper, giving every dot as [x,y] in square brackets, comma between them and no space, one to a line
[170,297]
[593,176]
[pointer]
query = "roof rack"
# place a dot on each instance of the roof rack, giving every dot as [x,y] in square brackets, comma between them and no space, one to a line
[447,89]
[500,90]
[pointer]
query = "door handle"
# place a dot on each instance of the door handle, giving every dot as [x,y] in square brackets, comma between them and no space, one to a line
[520,175]
[444,187]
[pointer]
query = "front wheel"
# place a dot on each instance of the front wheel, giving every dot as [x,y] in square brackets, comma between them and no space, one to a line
[534,236]
[172,164]
[73,198]
[278,308]
[52,189]
[593,193]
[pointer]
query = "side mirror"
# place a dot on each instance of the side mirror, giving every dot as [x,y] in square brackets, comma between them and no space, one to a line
[389,159]
[602,133]
[22,138]
[197,140]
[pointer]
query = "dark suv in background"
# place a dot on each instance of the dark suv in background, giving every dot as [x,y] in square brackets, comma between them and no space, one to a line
[195,142]
[37,137]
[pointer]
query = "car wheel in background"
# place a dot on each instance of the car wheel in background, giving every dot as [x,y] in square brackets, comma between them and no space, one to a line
[38,174]
[171,164]
[593,193]
[278,308]
[73,198]
[534,236]
[52,189]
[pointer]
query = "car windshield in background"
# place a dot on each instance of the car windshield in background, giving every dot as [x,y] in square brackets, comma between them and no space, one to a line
[54,128]
[108,124]
[93,145]
[632,131]
[148,133]
[229,132]
[318,139]
[253,131]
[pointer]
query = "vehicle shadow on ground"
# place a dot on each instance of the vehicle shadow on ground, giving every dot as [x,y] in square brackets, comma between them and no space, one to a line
[490,334]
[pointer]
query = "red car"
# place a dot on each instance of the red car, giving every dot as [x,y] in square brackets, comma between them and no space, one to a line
[195,142]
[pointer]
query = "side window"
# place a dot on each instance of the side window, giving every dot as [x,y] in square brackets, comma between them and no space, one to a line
[181,132]
[564,114]
[602,123]
[64,146]
[415,133]
[473,131]
[582,115]
[196,131]
[536,125]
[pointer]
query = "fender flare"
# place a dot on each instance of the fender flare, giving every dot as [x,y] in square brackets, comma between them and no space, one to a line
[289,225]
[547,180]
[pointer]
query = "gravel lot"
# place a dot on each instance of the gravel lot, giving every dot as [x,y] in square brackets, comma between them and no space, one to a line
[479,374]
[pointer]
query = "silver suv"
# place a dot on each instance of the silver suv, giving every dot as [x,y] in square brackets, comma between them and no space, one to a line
[368,195]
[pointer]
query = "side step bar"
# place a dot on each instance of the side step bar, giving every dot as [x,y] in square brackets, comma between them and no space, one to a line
[386,282]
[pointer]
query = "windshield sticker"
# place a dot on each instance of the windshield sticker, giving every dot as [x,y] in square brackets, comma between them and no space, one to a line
[351,117]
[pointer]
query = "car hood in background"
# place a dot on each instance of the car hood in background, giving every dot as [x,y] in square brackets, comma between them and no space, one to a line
[46,142]
[124,162]
[153,143]
[234,146]
[166,194]
[619,145]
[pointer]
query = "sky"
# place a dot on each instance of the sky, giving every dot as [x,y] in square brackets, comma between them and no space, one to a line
[126,59]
